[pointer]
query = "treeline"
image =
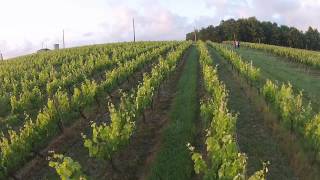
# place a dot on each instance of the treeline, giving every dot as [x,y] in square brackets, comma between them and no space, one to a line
[252,30]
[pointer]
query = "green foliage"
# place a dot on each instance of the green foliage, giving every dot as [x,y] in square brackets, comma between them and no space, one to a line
[29,100]
[173,159]
[298,55]
[62,103]
[38,77]
[12,120]
[199,163]
[312,132]
[65,110]
[106,140]
[262,174]
[223,158]
[4,105]
[84,96]
[290,106]
[293,113]
[66,167]
[244,68]
[252,30]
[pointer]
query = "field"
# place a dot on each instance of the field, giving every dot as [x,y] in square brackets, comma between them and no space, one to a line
[161,110]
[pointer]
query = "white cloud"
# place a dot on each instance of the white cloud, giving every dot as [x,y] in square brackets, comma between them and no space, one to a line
[25,25]
[300,14]
[86,24]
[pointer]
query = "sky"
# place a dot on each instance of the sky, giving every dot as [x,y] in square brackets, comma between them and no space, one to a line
[28,25]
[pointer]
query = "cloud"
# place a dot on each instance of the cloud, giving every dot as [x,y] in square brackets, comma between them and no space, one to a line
[300,14]
[88,34]
[27,26]
[25,47]
[152,23]
[112,23]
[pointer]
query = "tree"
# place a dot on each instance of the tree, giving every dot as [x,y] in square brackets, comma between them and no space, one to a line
[283,39]
[295,38]
[312,37]
[252,30]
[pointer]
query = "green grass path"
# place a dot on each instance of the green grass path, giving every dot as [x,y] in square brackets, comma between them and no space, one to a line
[174,160]
[279,68]
[254,138]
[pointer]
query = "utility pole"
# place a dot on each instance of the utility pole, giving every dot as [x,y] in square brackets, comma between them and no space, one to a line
[64,46]
[195,35]
[134,31]
[1,57]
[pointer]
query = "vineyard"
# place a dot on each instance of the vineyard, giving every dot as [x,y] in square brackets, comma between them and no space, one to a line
[161,110]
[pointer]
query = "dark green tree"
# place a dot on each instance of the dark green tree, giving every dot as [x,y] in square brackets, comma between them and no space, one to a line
[295,38]
[312,39]
[252,30]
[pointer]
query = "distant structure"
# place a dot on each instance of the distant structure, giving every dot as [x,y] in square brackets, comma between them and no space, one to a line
[64,45]
[56,46]
[1,57]
[134,31]
[43,50]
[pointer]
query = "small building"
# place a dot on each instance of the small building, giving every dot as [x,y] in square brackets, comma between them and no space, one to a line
[43,50]
[56,46]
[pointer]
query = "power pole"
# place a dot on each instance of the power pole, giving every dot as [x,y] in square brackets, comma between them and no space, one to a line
[195,35]
[134,31]
[1,57]
[64,46]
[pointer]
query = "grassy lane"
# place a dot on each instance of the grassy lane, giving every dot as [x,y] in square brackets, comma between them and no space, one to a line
[173,160]
[254,138]
[277,68]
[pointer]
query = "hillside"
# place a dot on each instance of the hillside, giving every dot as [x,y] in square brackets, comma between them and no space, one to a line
[161,110]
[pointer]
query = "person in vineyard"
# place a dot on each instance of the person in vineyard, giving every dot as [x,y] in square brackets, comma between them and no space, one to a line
[236,44]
